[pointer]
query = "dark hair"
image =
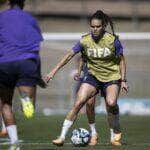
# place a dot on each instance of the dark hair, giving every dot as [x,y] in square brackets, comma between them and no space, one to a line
[100,15]
[19,3]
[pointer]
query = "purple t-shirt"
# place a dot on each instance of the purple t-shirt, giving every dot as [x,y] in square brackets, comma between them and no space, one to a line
[20,36]
[118,47]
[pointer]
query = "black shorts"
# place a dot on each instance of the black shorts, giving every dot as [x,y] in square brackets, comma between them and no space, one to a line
[20,73]
[90,79]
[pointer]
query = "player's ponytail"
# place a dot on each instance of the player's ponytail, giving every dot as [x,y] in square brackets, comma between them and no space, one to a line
[19,3]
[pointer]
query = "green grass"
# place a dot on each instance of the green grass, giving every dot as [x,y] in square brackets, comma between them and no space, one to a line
[37,133]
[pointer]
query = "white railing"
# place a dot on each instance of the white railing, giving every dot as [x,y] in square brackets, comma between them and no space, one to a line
[77,36]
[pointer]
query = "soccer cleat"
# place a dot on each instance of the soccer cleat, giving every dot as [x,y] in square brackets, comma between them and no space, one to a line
[93,140]
[3,133]
[28,108]
[116,139]
[58,142]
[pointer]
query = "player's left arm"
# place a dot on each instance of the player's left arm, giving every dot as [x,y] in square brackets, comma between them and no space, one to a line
[70,54]
[122,64]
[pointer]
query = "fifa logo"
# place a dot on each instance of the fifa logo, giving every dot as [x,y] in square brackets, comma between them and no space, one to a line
[98,52]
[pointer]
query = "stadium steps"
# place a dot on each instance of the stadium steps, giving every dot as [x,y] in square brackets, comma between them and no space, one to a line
[118,8]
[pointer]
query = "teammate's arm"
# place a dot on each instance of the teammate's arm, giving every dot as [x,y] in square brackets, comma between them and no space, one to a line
[60,64]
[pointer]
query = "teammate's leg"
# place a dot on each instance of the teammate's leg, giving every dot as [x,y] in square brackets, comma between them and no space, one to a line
[85,92]
[112,93]
[29,77]
[28,98]
[7,113]
[90,110]
[3,131]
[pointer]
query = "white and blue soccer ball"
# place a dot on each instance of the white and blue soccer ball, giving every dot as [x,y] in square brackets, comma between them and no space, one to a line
[80,137]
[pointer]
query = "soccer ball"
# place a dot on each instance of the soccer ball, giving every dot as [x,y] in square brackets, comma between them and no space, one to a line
[80,137]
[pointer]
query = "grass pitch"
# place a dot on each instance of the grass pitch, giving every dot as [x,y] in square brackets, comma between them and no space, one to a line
[38,132]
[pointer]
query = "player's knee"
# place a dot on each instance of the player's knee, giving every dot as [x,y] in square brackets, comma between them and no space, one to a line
[114,110]
[111,103]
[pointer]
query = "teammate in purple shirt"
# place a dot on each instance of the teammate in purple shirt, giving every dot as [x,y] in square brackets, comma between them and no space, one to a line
[20,38]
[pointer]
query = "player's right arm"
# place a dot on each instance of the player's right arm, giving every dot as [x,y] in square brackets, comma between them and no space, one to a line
[77,48]
[60,64]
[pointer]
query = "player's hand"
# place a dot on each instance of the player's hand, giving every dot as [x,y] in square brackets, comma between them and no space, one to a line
[77,77]
[124,86]
[42,83]
[49,77]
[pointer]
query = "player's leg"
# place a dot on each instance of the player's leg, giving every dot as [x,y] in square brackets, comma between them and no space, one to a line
[7,113]
[85,92]
[114,125]
[28,91]
[113,121]
[3,131]
[112,93]
[90,110]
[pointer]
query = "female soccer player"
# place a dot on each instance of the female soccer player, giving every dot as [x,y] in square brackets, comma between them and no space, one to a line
[106,70]
[20,39]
